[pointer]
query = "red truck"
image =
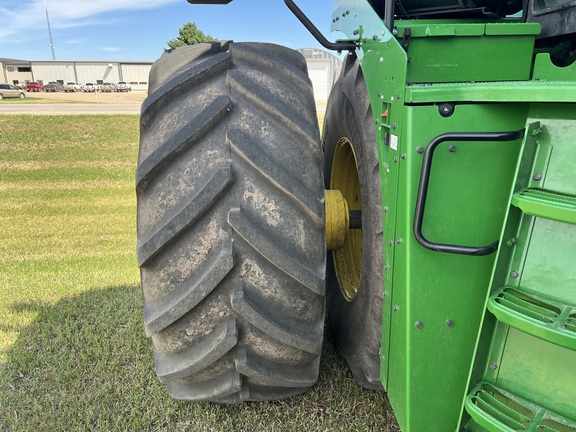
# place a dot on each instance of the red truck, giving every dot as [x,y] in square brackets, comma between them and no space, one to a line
[35,86]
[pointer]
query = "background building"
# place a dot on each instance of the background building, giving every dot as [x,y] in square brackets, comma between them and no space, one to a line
[14,71]
[322,67]
[136,73]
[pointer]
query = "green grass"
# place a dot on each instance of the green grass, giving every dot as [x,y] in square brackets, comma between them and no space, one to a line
[73,354]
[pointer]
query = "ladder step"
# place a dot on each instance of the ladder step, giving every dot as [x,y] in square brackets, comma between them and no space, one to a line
[498,410]
[546,204]
[546,319]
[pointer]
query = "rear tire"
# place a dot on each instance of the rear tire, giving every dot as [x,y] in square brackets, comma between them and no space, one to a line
[231,241]
[354,286]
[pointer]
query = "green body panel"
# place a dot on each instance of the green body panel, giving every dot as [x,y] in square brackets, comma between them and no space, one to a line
[531,306]
[448,318]
[452,52]
[510,91]
[465,206]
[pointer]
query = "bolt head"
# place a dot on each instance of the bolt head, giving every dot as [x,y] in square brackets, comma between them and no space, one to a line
[420,149]
[449,323]
[538,177]
[493,365]
[514,274]
[419,324]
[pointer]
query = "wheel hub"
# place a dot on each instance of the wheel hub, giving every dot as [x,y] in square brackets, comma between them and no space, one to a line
[341,201]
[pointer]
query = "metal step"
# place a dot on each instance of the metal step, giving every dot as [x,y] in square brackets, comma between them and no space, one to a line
[546,204]
[546,319]
[498,410]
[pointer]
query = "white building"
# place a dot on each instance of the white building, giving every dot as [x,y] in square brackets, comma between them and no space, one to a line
[14,71]
[322,67]
[136,73]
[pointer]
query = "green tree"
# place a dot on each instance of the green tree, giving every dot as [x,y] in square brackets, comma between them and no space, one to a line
[189,34]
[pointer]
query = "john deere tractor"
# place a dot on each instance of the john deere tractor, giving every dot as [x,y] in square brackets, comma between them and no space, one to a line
[433,220]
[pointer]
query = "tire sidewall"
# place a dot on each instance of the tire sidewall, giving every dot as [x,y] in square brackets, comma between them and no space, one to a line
[356,325]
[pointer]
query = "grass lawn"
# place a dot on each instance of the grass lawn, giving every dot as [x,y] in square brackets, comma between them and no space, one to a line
[73,354]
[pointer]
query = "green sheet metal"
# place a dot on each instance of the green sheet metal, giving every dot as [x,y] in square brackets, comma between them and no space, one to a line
[439,342]
[531,315]
[513,91]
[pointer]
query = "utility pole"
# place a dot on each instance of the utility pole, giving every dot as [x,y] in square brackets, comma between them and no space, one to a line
[49,31]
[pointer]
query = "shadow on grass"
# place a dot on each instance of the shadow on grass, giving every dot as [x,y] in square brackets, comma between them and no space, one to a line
[85,364]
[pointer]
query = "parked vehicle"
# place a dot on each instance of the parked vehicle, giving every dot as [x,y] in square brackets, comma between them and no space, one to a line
[34,87]
[123,86]
[433,220]
[53,86]
[11,91]
[72,87]
[107,87]
[89,87]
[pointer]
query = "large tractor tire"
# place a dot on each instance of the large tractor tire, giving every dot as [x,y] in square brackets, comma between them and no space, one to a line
[354,287]
[231,242]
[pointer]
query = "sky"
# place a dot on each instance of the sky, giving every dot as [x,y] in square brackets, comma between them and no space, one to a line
[137,30]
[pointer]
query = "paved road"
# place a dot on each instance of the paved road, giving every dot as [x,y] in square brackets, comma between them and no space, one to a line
[70,108]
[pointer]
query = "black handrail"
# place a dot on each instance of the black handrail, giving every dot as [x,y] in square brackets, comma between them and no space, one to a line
[425,179]
[334,46]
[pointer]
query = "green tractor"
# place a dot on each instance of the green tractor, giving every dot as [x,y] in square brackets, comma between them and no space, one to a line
[433,220]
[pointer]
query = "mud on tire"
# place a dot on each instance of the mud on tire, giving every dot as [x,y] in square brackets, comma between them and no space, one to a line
[231,240]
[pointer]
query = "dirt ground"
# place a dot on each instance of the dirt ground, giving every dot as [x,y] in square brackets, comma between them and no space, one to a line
[135,97]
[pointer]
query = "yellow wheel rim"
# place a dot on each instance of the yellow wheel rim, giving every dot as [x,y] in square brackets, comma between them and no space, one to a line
[348,259]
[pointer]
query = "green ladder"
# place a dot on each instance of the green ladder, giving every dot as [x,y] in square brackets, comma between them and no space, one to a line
[524,375]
